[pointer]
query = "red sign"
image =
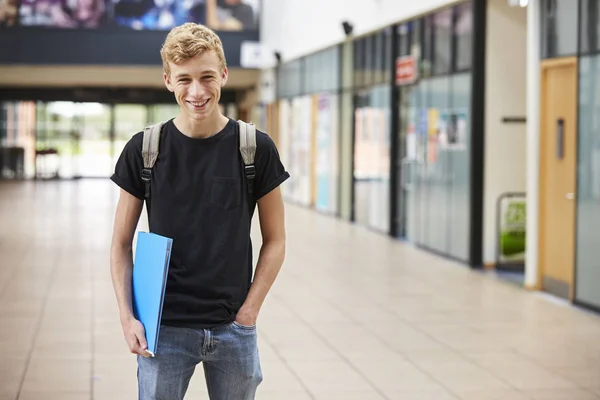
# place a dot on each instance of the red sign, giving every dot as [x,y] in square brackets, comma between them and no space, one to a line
[406,70]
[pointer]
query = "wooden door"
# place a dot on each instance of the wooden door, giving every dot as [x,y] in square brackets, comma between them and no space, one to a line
[558,160]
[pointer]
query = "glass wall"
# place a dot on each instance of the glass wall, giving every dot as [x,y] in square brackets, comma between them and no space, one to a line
[559,28]
[354,99]
[64,140]
[372,157]
[372,116]
[17,140]
[308,138]
[434,136]
[587,267]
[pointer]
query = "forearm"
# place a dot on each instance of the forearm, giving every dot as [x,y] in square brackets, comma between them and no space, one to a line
[269,264]
[121,273]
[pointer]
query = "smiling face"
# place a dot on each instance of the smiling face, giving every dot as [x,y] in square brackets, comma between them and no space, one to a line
[195,70]
[197,84]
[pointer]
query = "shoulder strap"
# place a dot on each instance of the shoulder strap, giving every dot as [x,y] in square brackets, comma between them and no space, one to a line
[248,151]
[150,152]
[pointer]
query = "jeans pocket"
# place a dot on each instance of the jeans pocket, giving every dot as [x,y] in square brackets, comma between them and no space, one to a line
[245,327]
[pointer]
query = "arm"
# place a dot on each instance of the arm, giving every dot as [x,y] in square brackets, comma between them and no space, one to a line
[127,216]
[272,254]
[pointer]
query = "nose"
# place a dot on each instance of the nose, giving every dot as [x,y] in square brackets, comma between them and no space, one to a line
[196,89]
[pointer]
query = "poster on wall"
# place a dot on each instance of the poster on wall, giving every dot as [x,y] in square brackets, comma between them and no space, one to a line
[300,146]
[432,135]
[411,136]
[220,15]
[326,168]
[453,130]
[8,13]
[284,145]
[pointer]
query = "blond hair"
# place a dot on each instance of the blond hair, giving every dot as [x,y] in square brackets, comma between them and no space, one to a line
[188,41]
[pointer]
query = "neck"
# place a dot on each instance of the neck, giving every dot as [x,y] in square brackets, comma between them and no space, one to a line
[200,129]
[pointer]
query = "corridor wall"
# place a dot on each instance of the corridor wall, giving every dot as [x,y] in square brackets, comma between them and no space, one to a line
[308,134]
[397,157]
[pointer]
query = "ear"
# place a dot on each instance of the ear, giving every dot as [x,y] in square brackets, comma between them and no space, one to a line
[167,79]
[224,77]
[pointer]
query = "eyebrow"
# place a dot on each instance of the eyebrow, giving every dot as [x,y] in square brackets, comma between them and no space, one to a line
[185,75]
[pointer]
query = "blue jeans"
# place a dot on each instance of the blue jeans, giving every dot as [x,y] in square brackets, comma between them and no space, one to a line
[229,354]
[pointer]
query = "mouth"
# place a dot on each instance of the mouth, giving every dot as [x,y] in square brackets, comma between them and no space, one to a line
[199,104]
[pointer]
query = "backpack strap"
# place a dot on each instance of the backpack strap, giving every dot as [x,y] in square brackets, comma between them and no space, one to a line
[150,153]
[248,151]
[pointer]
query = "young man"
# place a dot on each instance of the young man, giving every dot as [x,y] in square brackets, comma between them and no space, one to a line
[199,198]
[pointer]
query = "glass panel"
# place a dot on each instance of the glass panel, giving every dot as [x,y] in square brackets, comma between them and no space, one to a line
[284,142]
[463,31]
[372,150]
[299,145]
[459,158]
[442,43]
[55,144]
[362,168]
[161,112]
[589,32]
[588,184]
[347,65]
[327,153]
[378,58]
[404,37]
[308,73]
[369,61]
[335,69]
[427,47]
[17,139]
[559,28]
[420,192]
[437,173]
[92,145]
[359,62]
[131,119]
[388,68]
[411,158]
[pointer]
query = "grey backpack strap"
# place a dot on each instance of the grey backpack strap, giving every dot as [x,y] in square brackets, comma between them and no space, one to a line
[248,151]
[150,153]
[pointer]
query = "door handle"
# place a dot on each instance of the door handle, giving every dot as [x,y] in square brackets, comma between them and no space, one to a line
[570,196]
[560,138]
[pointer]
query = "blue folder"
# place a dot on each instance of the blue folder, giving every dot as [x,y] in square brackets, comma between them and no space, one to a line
[149,280]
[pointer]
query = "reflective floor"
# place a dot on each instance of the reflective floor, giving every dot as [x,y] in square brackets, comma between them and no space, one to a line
[354,315]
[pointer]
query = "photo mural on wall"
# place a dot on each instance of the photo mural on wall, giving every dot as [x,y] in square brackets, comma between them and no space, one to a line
[220,15]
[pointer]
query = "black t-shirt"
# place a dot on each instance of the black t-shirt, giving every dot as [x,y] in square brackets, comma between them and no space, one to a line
[199,198]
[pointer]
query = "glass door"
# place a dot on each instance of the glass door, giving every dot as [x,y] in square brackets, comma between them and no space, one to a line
[54,141]
[92,141]
[129,120]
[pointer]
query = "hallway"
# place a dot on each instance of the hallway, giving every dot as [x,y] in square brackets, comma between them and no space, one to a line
[353,315]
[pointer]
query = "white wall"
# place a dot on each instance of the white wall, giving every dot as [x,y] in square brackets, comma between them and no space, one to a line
[506,83]
[299,27]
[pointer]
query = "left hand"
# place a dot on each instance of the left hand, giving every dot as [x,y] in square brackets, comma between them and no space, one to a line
[246,317]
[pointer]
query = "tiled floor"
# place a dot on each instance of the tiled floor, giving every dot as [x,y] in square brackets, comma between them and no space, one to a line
[353,316]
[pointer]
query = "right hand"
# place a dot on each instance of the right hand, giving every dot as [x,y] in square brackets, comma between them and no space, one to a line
[135,335]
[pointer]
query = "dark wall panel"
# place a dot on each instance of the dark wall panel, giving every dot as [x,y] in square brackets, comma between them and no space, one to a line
[98,47]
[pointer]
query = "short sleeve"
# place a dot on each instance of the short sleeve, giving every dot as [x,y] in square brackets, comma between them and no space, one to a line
[127,174]
[270,172]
